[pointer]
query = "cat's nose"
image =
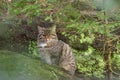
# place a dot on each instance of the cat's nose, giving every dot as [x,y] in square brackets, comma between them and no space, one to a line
[48,39]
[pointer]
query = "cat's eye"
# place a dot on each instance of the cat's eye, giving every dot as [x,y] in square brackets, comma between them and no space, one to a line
[40,37]
[42,32]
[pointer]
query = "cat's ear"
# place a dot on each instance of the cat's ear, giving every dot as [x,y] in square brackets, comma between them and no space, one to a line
[53,29]
[39,29]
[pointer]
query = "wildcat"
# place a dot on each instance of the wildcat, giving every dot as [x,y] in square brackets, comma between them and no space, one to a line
[53,51]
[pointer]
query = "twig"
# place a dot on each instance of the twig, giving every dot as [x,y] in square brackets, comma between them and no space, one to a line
[115,73]
[55,75]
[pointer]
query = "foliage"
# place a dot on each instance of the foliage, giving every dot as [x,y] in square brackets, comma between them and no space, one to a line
[85,33]
[81,29]
[3,6]
[118,47]
[116,61]
[89,60]
[90,63]
[26,8]
[116,58]
[33,48]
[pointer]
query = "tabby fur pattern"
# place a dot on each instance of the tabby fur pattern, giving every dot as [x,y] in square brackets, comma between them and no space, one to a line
[53,51]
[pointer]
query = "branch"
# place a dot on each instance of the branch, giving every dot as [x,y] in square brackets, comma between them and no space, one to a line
[88,12]
[115,73]
[55,75]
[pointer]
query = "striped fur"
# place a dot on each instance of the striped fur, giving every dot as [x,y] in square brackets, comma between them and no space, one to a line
[67,60]
[55,52]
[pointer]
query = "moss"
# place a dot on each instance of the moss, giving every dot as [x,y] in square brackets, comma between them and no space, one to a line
[14,66]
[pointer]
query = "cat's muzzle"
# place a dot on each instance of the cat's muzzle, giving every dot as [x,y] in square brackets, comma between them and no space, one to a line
[42,45]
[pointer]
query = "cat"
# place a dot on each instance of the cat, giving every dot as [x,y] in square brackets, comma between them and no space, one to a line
[53,51]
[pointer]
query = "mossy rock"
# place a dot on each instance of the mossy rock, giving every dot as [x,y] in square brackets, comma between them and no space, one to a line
[15,66]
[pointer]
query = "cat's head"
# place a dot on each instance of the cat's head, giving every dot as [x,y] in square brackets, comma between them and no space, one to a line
[47,36]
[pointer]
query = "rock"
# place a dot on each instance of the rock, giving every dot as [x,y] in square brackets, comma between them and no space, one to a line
[15,66]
